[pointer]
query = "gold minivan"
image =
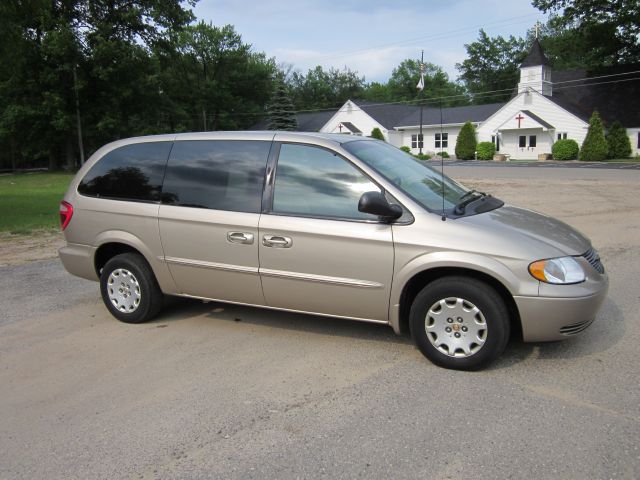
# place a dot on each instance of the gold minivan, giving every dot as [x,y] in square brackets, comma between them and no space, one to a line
[335,225]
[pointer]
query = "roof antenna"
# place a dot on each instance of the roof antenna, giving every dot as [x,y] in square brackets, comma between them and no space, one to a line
[444,217]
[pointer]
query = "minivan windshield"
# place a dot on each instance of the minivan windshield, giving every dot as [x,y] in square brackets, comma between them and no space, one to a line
[419,181]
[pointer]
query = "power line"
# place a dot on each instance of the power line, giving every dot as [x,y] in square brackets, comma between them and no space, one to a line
[498,92]
[447,34]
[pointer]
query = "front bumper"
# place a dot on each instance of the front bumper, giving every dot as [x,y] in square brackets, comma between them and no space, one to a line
[547,319]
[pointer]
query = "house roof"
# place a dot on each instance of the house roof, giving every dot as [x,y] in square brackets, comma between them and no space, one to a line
[536,56]
[615,98]
[387,115]
[431,116]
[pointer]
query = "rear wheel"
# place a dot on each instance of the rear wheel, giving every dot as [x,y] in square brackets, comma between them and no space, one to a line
[460,323]
[129,289]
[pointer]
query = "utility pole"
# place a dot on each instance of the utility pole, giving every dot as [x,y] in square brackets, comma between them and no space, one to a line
[422,69]
[78,122]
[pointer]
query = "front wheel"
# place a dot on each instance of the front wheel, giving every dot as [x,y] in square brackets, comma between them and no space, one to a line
[129,289]
[460,323]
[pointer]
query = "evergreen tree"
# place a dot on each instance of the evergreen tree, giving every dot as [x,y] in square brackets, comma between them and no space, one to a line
[618,141]
[594,148]
[466,142]
[376,133]
[282,116]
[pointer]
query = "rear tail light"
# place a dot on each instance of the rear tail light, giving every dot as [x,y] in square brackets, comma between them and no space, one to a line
[66,212]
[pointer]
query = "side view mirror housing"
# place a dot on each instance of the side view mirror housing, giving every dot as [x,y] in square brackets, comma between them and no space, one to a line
[376,203]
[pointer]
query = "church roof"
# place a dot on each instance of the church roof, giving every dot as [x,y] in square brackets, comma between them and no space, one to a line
[541,121]
[613,97]
[536,56]
[351,127]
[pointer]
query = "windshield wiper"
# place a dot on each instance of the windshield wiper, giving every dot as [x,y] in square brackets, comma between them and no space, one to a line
[466,199]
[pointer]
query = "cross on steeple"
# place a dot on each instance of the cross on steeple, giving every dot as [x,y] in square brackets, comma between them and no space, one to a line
[537,27]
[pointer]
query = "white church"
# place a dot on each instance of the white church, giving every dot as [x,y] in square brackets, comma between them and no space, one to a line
[546,106]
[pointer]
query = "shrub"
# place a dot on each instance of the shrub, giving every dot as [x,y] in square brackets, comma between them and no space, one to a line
[466,142]
[376,133]
[618,141]
[594,148]
[565,149]
[406,149]
[485,150]
[422,156]
[443,154]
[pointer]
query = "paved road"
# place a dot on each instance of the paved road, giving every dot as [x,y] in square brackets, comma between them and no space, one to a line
[219,391]
[532,164]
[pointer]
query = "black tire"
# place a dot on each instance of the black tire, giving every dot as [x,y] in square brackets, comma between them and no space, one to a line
[150,296]
[494,331]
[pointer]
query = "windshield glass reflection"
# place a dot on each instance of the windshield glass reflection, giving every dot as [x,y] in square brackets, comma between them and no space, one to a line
[419,181]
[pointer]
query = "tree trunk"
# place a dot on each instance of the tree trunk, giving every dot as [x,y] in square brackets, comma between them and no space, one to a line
[70,157]
[53,160]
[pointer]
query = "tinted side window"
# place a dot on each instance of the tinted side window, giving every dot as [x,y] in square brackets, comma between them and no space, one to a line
[315,182]
[216,174]
[132,172]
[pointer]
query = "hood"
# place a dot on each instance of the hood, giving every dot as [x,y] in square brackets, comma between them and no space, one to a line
[521,225]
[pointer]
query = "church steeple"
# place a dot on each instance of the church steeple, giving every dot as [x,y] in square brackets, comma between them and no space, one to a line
[535,71]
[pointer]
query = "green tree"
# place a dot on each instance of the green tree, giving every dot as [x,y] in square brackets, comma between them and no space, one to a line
[492,65]
[608,30]
[618,141]
[51,50]
[594,148]
[321,88]
[376,133]
[281,112]
[466,142]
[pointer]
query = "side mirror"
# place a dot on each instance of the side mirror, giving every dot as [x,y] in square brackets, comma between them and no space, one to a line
[376,203]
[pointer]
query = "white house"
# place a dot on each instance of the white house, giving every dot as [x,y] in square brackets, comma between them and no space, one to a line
[546,106]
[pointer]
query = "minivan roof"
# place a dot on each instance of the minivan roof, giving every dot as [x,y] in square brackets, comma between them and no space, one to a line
[338,138]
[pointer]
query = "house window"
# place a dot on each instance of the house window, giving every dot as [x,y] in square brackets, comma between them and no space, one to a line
[414,141]
[523,141]
[445,140]
[562,136]
[532,141]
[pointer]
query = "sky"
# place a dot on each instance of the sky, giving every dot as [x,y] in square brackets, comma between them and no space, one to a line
[368,36]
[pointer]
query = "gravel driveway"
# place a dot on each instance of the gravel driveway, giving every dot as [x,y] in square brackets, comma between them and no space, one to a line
[222,391]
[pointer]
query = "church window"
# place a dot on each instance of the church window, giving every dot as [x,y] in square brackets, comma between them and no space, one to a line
[414,141]
[496,141]
[444,143]
[523,141]
[562,136]
[532,141]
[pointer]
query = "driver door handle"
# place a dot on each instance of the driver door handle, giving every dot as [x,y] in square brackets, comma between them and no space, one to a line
[276,241]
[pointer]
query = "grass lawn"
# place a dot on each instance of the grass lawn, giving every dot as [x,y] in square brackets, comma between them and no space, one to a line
[29,201]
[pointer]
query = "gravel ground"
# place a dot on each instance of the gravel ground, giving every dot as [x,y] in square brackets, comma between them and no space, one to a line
[222,391]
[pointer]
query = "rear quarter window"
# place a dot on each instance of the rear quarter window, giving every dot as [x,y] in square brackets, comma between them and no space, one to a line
[131,172]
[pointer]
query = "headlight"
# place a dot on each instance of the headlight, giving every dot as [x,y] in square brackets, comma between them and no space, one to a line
[559,271]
